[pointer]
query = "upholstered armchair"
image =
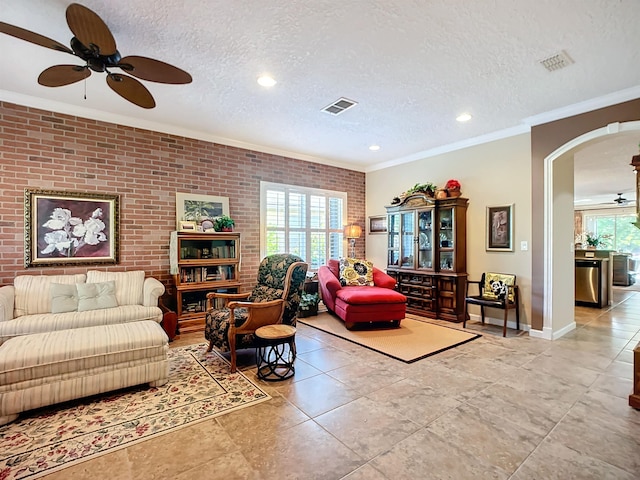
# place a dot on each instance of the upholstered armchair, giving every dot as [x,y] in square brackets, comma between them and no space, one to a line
[274,299]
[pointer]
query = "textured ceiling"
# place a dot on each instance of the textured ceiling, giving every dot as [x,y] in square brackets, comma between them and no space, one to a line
[412,66]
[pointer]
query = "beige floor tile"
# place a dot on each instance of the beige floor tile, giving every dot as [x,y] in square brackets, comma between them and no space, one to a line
[96,468]
[367,427]
[166,456]
[449,381]
[327,358]
[567,371]
[317,395]
[305,451]
[486,436]
[427,455]
[233,466]
[421,405]
[366,472]
[364,377]
[554,461]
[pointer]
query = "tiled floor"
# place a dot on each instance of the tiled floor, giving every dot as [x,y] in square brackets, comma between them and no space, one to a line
[516,408]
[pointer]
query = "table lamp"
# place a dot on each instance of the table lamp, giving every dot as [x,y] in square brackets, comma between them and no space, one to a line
[352,232]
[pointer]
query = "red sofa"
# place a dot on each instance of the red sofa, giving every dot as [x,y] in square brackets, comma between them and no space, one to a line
[357,304]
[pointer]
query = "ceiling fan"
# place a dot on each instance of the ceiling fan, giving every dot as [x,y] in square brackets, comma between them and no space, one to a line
[620,200]
[94,43]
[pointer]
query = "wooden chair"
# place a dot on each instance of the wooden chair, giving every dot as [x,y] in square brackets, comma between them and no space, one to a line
[496,290]
[274,299]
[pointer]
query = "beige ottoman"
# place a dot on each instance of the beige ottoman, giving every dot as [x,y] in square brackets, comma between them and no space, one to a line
[52,367]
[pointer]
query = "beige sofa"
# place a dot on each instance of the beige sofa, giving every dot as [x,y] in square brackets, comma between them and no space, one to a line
[64,337]
[42,303]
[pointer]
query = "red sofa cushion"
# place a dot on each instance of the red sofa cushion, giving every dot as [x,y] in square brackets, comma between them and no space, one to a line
[369,295]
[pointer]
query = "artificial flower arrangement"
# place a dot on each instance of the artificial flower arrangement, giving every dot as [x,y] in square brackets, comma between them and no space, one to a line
[452,184]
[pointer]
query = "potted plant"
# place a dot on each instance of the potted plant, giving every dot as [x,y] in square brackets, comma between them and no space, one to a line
[595,241]
[427,188]
[223,223]
[453,188]
[309,304]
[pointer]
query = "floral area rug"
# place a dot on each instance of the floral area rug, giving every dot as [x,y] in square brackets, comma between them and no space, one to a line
[200,387]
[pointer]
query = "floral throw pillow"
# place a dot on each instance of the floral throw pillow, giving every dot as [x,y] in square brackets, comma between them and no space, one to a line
[354,271]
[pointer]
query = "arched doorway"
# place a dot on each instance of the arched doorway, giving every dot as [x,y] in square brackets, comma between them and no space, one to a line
[558,313]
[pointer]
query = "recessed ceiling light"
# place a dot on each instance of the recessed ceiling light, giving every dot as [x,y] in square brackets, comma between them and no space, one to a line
[266,81]
[465,117]
[374,148]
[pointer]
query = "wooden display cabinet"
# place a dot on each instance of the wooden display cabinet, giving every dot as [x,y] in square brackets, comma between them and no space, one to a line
[426,254]
[207,262]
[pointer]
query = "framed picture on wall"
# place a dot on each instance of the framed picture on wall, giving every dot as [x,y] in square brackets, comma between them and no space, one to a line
[197,208]
[500,228]
[378,224]
[70,228]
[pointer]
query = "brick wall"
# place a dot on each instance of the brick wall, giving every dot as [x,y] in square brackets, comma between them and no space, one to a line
[41,149]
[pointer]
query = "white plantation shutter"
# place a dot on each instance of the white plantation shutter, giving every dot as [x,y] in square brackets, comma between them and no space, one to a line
[305,221]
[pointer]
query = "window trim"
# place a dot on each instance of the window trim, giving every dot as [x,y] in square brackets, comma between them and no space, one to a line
[283,187]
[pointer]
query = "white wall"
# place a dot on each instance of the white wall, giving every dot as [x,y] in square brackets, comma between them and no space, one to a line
[495,173]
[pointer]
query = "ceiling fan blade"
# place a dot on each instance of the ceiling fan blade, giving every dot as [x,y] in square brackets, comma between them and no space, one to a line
[131,89]
[89,28]
[60,75]
[33,37]
[153,70]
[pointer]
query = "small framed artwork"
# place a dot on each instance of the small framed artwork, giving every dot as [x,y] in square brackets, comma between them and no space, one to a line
[70,228]
[500,228]
[378,224]
[188,226]
[196,208]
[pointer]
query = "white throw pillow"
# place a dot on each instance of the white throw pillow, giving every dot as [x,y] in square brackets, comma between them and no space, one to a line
[64,298]
[94,296]
[129,285]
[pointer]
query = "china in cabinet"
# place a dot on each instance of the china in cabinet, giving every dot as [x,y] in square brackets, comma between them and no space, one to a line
[426,254]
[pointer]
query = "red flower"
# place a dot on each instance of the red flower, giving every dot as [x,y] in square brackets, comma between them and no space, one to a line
[452,185]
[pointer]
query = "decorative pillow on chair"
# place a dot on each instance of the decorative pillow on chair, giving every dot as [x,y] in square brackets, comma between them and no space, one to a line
[496,286]
[354,271]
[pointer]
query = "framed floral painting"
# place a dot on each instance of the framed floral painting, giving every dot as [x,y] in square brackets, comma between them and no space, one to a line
[70,228]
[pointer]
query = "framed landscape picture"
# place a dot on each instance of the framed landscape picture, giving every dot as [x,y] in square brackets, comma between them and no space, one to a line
[378,224]
[500,228]
[70,228]
[198,208]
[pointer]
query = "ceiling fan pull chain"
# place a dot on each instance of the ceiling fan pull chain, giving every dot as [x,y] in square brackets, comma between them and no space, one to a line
[85,88]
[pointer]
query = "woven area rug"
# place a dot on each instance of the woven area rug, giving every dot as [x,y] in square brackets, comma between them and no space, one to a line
[411,342]
[200,387]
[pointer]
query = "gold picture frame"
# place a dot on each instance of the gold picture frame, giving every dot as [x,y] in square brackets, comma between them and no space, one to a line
[70,228]
[377,224]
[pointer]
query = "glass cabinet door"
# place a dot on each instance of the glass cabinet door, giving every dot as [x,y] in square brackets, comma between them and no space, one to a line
[446,239]
[425,239]
[393,235]
[407,239]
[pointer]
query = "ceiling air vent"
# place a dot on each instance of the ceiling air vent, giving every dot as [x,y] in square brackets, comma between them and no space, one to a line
[339,106]
[557,61]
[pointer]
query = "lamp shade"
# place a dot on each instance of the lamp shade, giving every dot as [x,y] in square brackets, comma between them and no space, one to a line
[352,231]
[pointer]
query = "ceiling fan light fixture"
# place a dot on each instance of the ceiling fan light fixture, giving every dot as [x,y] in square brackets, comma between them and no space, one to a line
[463,117]
[266,81]
[374,148]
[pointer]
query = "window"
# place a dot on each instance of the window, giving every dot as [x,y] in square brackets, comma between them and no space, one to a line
[623,235]
[304,221]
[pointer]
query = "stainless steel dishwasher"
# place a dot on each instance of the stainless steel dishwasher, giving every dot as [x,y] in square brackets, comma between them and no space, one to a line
[591,282]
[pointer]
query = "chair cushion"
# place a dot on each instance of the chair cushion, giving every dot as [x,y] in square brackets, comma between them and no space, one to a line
[495,286]
[355,271]
[217,329]
[369,295]
[263,293]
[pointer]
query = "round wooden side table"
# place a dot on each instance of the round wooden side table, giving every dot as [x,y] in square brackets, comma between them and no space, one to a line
[276,352]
